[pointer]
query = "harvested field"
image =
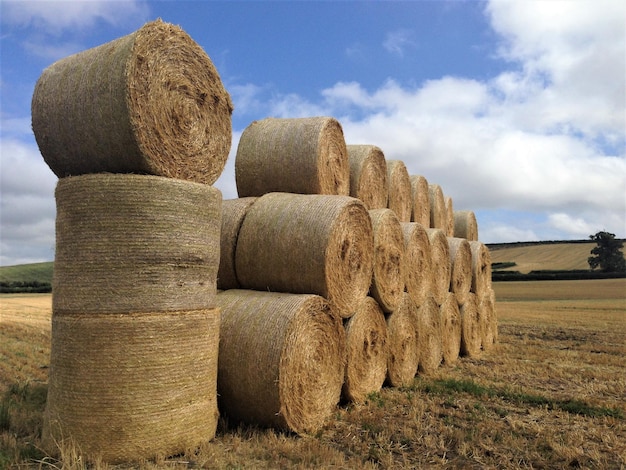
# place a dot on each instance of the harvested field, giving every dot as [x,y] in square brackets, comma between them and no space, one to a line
[549,394]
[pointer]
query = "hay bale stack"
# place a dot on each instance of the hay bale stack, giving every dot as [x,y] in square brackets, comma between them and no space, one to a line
[451,328]
[403,343]
[135,243]
[293,155]
[307,244]
[388,270]
[420,200]
[368,175]
[418,273]
[149,102]
[400,196]
[471,334]
[440,259]
[465,225]
[481,268]
[233,213]
[487,315]
[449,216]
[367,351]
[281,359]
[461,268]
[438,213]
[132,386]
[430,341]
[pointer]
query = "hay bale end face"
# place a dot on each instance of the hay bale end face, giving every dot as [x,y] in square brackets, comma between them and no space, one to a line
[388,273]
[481,268]
[440,258]
[400,195]
[420,201]
[461,268]
[438,211]
[465,225]
[132,386]
[281,359]
[429,334]
[135,243]
[292,155]
[403,343]
[149,102]
[451,329]
[418,273]
[471,334]
[307,244]
[367,351]
[368,175]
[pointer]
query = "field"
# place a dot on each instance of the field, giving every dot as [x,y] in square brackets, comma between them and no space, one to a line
[550,394]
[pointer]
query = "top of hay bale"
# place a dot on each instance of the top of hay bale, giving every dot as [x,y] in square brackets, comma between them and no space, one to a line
[149,102]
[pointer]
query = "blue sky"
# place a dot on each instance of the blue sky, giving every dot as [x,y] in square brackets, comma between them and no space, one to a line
[517,109]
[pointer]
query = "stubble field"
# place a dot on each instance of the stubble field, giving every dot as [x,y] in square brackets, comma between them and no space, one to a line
[550,394]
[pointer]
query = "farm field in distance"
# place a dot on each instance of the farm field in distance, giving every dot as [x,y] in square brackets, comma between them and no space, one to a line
[550,394]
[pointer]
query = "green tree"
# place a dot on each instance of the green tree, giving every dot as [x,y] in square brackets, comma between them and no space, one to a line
[608,254]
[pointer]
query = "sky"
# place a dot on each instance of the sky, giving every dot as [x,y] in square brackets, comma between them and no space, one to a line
[516,108]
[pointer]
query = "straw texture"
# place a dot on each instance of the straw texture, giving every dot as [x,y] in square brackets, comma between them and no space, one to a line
[461,268]
[400,196]
[307,244]
[233,213]
[127,387]
[403,343]
[282,359]
[135,243]
[293,155]
[149,102]
[465,225]
[368,175]
[440,258]
[449,216]
[481,268]
[418,272]
[367,351]
[438,213]
[388,273]
[429,333]
[471,334]
[450,329]
[487,315]
[421,200]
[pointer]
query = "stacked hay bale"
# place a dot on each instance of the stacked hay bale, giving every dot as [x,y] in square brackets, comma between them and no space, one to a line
[135,322]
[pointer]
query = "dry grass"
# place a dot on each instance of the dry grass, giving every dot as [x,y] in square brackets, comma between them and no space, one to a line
[550,394]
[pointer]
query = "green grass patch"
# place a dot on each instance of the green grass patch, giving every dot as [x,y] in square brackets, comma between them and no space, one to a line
[452,386]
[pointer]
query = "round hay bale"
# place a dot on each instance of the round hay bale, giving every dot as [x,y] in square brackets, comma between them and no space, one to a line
[132,386]
[487,315]
[449,216]
[403,343]
[451,328]
[461,268]
[292,155]
[481,268]
[471,335]
[421,200]
[429,333]
[368,175]
[135,243]
[465,225]
[149,102]
[438,213]
[400,196]
[282,359]
[441,267]
[233,213]
[418,273]
[388,273]
[367,351]
[308,244]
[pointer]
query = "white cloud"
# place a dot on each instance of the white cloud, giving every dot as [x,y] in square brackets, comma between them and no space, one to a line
[54,16]
[397,41]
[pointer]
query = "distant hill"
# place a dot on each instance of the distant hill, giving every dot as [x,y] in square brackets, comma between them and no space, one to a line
[35,272]
[536,256]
